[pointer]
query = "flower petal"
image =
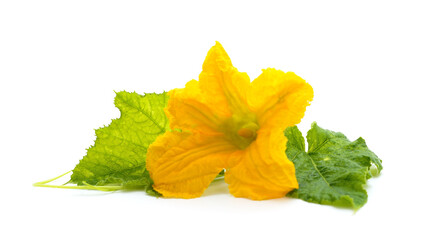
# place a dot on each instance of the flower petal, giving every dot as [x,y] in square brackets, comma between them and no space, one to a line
[187,110]
[220,92]
[222,85]
[182,165]
[279,99]
[264,172]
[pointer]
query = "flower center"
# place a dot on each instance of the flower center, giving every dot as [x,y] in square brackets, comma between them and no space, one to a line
[241,131]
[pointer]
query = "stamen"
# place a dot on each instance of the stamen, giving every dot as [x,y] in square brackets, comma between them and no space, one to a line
[245,132]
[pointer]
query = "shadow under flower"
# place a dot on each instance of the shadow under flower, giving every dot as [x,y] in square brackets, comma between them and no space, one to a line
[218,187]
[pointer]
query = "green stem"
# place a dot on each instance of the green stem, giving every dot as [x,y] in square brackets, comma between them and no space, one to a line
[50,180]
[86,186]
[219,177]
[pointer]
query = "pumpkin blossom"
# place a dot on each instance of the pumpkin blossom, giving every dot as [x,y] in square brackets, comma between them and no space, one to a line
[225,121]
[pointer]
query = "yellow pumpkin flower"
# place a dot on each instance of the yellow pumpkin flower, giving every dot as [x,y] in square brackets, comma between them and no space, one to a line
[228,122]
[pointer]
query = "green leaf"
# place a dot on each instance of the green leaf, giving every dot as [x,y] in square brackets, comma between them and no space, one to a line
[118,155]
[334,171]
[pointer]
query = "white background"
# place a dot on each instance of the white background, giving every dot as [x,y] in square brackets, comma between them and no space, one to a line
[61,61]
